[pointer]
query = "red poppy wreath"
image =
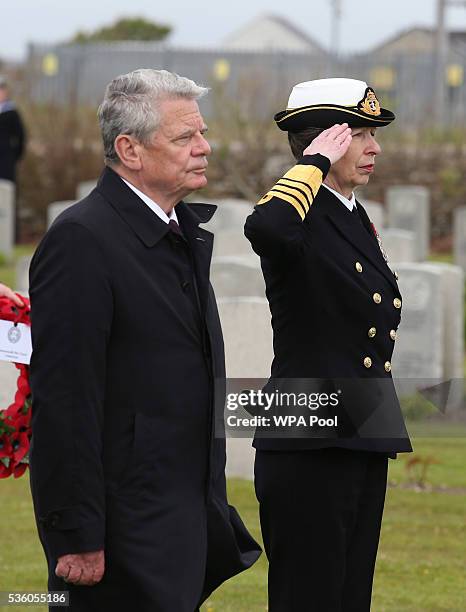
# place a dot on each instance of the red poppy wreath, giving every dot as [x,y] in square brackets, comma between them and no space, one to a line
[15,421]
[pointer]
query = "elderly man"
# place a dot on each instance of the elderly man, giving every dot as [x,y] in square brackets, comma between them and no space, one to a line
[126,475]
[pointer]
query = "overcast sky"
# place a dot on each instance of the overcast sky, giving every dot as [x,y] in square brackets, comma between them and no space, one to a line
[207,22]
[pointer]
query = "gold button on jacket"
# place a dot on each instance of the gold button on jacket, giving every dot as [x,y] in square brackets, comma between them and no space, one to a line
[388,366]
[393,334]
[312,253]
[397,303]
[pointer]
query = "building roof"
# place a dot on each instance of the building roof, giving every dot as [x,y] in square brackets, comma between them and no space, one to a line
[419,40]
[272,32]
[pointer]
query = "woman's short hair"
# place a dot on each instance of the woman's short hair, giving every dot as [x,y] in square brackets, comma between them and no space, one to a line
[301,140]
[131,105]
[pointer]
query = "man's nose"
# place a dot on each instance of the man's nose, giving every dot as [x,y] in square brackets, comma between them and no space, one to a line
[202,146]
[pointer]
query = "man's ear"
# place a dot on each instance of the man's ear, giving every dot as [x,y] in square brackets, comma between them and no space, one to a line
[128,150]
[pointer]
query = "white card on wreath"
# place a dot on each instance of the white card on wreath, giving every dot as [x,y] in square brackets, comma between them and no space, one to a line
[15,342]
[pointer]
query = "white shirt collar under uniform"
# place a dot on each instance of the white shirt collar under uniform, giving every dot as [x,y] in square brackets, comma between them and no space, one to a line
[350,204]
[153,205]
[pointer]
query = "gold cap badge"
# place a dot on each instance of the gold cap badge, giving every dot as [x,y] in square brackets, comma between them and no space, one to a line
[369,104]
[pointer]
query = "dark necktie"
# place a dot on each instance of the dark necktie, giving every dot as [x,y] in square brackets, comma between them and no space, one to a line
[356,214]
[175,228]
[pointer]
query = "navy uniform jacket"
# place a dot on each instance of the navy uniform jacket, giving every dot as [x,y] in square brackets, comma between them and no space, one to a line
[335,308]
[125,354]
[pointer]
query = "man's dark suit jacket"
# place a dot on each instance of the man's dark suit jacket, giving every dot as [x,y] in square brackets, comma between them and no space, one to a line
[12,139]
[126,346]
[335,308]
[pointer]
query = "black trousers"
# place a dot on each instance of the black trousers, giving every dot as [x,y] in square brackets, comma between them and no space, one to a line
[320,513]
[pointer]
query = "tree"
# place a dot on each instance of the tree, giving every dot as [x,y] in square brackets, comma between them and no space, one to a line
[128,28]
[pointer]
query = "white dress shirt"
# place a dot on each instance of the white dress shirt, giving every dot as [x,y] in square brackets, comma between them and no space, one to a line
[350,204]
[153,205]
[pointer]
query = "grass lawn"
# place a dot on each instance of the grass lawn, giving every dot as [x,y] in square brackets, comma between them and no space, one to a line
[422,558]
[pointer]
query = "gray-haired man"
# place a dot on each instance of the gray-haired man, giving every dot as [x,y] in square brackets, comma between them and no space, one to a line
[127,478]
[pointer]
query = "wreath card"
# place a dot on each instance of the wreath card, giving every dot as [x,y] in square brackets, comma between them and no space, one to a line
[15,342]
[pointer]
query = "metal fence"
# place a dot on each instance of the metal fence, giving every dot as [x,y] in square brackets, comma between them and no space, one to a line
[261,80]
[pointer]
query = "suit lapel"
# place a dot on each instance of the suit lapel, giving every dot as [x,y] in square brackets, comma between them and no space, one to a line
[201,243]
[360,235]
[381,257]
[150,229]
[143,222]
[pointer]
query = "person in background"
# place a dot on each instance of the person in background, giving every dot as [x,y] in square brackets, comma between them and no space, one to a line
[12,134]
[12,142]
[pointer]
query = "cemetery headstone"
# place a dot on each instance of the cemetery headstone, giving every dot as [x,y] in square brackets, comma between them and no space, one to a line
[399,245]
[409,209]
[235,277]
[459,237]
[375,212]
[7,215]
[56,208]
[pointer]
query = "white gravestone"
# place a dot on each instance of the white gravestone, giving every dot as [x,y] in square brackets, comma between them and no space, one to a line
[56,208]
[420,338]
[22,274]
[399,245]
[431,330]
[7,215]
[237,277]
[247,332]
[230,215]
[232,242]
[85,189]
[409,209]
[459,237]
[240,458]
[453,315]
[375,212]
[8,377]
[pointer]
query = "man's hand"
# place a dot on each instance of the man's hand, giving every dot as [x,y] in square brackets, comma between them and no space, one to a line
[7,292]
[85,569]
[333,143]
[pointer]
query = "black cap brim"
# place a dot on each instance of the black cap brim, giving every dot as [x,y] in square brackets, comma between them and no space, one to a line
[324,116]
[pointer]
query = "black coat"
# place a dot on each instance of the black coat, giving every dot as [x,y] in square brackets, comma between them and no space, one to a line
[322,267]
[12,139]
[126,345]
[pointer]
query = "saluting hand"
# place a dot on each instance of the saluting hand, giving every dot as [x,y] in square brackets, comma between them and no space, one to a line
[333,143]
[7,292]
[85,569]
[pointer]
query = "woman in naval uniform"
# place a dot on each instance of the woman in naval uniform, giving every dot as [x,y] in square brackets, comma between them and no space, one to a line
[335,308]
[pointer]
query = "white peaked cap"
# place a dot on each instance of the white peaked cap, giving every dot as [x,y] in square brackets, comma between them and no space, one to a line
[324,102]
[344,92]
